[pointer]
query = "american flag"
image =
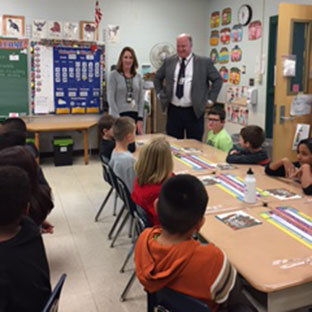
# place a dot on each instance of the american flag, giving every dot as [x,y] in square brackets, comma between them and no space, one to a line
[98,14]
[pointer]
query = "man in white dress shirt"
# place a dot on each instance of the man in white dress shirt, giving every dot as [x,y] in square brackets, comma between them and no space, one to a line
[191,83]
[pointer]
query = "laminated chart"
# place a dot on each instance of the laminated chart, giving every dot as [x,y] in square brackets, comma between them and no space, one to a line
[195,162]
[233,186]
[191,158]
[292,222]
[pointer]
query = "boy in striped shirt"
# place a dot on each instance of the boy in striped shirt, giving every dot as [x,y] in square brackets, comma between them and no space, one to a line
[168,256]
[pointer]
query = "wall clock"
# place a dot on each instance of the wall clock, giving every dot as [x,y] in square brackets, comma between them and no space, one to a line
[244,14]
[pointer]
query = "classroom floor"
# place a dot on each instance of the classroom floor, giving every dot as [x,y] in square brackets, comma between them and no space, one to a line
[79,246]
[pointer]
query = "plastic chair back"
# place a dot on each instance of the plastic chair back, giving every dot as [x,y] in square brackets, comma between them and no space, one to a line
[52,304]
[168,300]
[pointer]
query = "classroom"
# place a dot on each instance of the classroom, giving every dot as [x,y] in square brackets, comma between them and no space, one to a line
[107,105]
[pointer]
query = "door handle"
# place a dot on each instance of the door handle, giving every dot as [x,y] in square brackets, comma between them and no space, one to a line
[287,118]
[282,117]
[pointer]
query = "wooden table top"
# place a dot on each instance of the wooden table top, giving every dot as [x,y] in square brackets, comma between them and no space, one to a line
[60,126]
[256,251]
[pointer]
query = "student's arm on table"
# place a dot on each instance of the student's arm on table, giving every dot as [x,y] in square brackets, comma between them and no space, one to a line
[305,176]
[281,168]
[242,159]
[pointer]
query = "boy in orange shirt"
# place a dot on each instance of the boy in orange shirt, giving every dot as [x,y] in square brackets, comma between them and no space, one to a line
[168,256]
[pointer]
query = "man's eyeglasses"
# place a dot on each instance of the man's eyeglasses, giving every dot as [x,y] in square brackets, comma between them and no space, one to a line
[213,120]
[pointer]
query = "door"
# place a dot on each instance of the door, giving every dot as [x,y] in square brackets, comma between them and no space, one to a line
[294,38]
[269,111]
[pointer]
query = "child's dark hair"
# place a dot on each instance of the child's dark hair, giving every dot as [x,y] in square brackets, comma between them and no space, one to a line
[105,122]
[14,193]
[10,138]
[218,111]
[307,143]
[40,200]
[15,124]
[254,135]
[182,203]
[122,127]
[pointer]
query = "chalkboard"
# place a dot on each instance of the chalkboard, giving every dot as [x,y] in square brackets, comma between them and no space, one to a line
[13,77]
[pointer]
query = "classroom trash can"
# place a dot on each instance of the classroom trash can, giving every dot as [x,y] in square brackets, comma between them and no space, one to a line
[63,151]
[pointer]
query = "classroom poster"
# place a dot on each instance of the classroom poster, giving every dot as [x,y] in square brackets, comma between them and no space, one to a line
[254,30]
[214,56]
[39,29]
[55,29]
[71,30]
[214,37]
[237,33]
[237,95]
[226,16]
[43,82]
[225,35]
[224,56]
[77,80]
[236,54]
[215,19]
[302,132]
[224,73]
[235,76]
[237,114]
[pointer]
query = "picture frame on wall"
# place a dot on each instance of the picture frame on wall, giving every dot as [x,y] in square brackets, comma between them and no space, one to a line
[13,26]
[88,31]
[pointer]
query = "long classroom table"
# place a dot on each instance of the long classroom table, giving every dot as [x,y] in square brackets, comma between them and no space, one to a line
[253,250]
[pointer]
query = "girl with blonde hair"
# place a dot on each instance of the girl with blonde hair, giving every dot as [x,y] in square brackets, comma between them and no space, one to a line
[153,168]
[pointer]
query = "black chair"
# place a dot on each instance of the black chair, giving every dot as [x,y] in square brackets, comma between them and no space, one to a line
[52,304]
[110,178]
[140,222]
[168,300]
[128,206]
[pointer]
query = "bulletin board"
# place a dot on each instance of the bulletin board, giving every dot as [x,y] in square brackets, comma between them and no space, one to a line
[67,78]
[13,77]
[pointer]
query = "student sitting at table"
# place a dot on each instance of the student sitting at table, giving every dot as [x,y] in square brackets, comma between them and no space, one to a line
[168,256]
[24,271]
[122,162]
[299,170]
[107,144]
[153,168]
[249,150]
[105,130]
[217,136]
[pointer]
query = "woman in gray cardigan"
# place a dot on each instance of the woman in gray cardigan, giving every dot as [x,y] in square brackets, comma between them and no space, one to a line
[125,89]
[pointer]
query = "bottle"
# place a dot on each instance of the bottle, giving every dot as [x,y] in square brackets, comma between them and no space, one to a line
[250,187]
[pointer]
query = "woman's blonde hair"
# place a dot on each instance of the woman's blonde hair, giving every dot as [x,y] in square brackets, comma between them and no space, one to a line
[155,162]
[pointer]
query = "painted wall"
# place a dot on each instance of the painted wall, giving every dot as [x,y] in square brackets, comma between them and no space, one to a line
[253,51]
[143,23]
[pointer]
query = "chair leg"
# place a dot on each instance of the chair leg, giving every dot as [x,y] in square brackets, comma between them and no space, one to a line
[120,228]
[127,288]
[103,204]
[122,270]
[115,203]
[131,228]
[110,234]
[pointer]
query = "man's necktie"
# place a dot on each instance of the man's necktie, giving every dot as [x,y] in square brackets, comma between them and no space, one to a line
[180,85]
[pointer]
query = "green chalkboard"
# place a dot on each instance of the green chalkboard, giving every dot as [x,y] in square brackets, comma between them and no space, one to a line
[13,77]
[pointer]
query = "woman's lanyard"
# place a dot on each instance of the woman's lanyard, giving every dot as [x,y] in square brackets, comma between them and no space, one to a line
[129,85]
